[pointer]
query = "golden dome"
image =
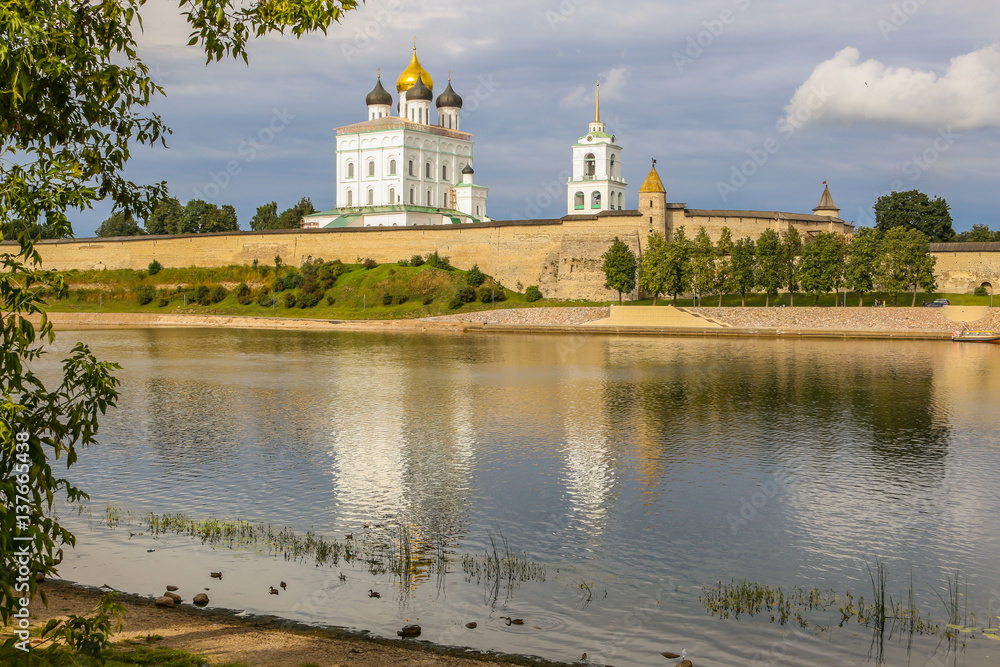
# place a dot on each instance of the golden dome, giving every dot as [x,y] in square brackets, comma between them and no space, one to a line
[409,76]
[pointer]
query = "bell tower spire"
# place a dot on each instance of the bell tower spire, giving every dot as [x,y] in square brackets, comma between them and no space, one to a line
[597,104]
[596,183]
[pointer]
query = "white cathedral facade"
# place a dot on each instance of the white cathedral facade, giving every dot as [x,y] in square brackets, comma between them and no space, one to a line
[403,170]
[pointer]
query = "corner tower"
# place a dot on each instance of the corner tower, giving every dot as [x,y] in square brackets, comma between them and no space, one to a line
[596,184]
[826,205]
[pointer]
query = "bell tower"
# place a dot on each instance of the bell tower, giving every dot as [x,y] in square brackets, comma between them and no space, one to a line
[596,183]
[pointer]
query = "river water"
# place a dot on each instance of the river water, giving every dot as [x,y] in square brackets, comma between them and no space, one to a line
[625,476]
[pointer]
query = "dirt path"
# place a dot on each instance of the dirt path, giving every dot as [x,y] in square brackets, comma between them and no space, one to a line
[224,638]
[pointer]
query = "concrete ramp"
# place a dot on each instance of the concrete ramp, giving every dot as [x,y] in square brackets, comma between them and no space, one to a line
[656,316]
[965,313]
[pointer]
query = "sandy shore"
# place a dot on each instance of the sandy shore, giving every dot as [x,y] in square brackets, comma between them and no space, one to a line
[221,638]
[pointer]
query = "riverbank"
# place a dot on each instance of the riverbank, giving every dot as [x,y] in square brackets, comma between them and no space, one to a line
[911,323]
[265,641]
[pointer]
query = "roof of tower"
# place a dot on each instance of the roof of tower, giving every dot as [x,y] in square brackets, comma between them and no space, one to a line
[413,72]
[419,91]
[653,183]
[379,95]
[826,201]
[449,98]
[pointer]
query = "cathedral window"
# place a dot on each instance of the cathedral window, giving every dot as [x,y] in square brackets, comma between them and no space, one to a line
[589,166]
[595,200]
[444,200]
[412,200]
[392,196]
[444,172]
[427,170]
[371,196]
[578,201]
[392,167]
[429,200]
[371,167]
[350,198]
[410,168]
[350,170]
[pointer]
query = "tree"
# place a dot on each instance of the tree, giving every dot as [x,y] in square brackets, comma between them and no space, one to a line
[723,264]
[195,212]
[120,224]
[219,220]
[703,279]
[166,217]
[73,106]
[979,234]
[770,264]
[744,268]
[915,210]
[822,264]
[791,249]
[678,264]
[265,217]
[906,263]
[652,269]
[292,218]
[862,260]
[619,268]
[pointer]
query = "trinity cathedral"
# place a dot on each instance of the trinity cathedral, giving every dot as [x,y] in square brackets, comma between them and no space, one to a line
[405,169]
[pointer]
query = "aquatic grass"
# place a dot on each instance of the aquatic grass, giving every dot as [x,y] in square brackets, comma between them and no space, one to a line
[501,568]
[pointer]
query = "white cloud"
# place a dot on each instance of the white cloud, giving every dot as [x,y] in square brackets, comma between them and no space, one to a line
[844,89]
[612,88]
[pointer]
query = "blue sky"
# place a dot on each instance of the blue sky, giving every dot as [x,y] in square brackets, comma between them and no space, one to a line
[745,104]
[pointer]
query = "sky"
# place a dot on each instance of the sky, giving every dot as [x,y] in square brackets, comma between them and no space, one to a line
[745,104]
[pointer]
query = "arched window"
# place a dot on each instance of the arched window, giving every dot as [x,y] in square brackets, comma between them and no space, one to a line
[619,201]
[444,200]
[427,170]
[429,201]
[412,196]
[350,170]
[477,210]
[409,167]
[371,167]
[392,196]
[578,201]
[371,196]
[444,172]
[595,200]
[589,166]
[350,198]
[613,174]
[392,167]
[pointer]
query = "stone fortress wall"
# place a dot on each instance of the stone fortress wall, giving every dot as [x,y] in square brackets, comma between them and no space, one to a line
[562,257]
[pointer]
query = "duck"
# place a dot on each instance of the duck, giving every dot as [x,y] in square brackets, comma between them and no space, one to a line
[374,594]
[350,536]
[343,577]
[513,621]
[274,591]
[283,585]
[216,575]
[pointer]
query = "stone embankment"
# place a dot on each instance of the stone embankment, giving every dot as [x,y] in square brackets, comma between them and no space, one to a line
[542,316]
[846,319]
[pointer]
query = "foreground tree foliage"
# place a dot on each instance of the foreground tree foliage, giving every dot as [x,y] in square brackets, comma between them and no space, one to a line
[619,268]
[73,104]
[652,269]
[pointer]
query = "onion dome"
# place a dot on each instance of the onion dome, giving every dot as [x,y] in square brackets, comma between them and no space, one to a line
[419,91]
[379,95]
[449,98]
[413,72]
[467,169]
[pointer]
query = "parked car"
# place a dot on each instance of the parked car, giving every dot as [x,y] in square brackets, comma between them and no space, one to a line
[938,303]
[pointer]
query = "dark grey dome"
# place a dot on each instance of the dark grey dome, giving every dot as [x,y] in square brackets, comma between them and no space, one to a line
[419,91]
[449,98]
[468,169]
[379,95]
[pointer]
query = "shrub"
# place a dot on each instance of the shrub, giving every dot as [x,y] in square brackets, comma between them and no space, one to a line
[155,267]
[289,300]
[330,300]
[475,277]
[217,294]
[416,260]
[428,300]
[980,291]
[263,296]
[243,294]
[438,262]
[402,298]
[369,263]
[490,293]
[199,294]
[532,293]
[456,302]
[466,294]
[386,299]
[307,300]
[403,262]
[163,302]
[144,294]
